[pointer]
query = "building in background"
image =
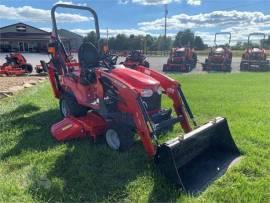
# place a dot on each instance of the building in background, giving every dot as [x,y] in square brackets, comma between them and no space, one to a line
[21,37]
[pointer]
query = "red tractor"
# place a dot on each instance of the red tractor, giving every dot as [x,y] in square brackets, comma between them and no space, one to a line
[15,64]
[255,57]
[136,58]
[99,98]
[219,57]
[182,59]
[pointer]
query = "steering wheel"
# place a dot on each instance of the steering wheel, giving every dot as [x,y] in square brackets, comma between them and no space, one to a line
[114,59]
[110,60]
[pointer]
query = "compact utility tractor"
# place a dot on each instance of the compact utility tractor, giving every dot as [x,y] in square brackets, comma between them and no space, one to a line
[182,59]
[219,57]
[99,98]
[15,64]
[255,57]
[136,58]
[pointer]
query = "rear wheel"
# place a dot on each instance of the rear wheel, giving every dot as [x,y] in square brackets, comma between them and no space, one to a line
[69,106]
[119,137]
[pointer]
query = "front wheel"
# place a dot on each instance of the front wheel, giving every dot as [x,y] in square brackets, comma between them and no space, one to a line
[119,138]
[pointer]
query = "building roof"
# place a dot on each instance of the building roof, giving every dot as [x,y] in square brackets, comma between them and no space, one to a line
[68,34]
[22,28]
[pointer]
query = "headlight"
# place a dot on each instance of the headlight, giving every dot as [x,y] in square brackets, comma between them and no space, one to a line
[146,93]
[159,90]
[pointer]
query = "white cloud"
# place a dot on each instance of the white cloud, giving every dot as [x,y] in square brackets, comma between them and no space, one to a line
[123,2]
[112,32]
[239,23]
[30,14]
[224,19]
[148,2]
[194,2]
[71,3]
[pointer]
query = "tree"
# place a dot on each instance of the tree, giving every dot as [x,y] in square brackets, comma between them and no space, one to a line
[184,38]
[149,42]
[91,37]
[198,43]
[162,43]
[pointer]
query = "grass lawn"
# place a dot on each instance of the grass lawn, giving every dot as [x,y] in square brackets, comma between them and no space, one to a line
[36,168]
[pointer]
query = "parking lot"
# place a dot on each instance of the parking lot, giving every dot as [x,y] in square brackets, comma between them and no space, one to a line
[156,62]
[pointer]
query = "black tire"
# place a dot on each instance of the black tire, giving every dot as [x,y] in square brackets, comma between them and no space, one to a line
[28,68]
[146,64]
[194,60]
[164,69]
[68,105]
[38,70]
[125,137]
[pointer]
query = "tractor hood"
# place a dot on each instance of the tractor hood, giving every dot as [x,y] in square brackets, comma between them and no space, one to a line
[219,50]
[135,78]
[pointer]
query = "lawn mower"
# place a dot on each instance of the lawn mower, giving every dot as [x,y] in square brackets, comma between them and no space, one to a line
[136,58]
[99,98]
[182,59]
[254,58]
[219,57]
[15,64]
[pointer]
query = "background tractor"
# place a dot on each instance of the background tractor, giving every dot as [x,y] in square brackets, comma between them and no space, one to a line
[15,64]
[255,57]
[220,56]
[182,59]
[136,58]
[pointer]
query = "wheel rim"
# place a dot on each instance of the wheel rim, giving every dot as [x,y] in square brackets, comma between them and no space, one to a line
[112,139]
[64,108]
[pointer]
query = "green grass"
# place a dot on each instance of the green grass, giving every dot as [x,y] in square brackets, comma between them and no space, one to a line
[36,168]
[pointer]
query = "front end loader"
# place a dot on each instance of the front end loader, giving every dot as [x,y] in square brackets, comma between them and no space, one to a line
[255,57]
[99,98]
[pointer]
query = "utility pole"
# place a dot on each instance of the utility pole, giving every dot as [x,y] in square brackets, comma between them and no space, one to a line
[165,23]
[107,37]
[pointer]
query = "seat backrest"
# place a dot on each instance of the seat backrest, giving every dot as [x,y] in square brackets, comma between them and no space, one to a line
[88,56]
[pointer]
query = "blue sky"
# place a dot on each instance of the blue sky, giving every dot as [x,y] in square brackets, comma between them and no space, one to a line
[205,17]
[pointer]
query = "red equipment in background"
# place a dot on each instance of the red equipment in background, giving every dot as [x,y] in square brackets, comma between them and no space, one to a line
[182,59]
[97,97]
[219,57]
[136,58]
[15,64]
[255,57]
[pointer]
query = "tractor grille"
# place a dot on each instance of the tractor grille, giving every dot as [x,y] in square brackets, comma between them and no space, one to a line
[152,103]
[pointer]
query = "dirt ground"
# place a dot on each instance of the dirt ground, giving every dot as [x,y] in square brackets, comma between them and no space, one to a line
[7,84]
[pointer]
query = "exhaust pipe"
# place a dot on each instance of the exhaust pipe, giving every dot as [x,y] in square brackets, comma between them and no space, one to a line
[201,156]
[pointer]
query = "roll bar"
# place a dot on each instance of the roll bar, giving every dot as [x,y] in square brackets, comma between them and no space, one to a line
[256,34]
[93,12]
[223,33]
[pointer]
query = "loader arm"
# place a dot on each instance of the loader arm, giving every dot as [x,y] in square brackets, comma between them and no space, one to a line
[132,103]
[171,88]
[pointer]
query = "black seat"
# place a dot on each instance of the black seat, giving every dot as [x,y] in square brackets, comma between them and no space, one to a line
[89,59]
[88,56]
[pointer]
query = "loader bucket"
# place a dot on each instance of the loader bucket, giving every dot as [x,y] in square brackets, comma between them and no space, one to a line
[201,156]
